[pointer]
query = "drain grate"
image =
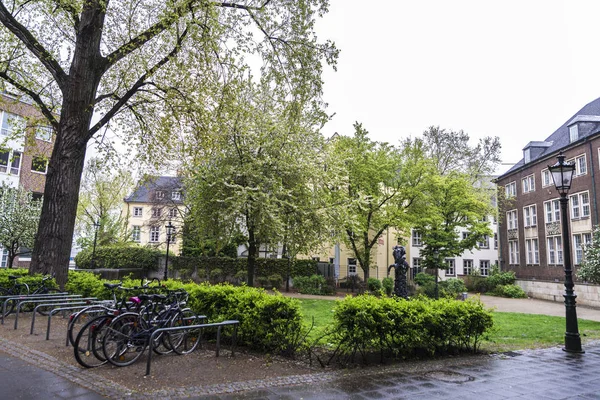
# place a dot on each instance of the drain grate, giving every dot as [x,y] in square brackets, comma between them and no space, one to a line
[449,376]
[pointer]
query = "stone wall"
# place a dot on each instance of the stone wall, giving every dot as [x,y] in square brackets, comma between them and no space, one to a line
[587,295]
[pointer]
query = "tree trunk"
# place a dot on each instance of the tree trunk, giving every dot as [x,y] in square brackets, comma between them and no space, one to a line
[252,250]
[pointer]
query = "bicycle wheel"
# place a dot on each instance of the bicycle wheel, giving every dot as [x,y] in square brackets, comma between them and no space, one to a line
[5,292]
[80,318]
[161,344]
[89,339]
[125,340]
[185,341]
[16,290]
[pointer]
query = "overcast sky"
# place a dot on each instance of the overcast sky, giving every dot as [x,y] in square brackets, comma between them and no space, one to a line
[513,69]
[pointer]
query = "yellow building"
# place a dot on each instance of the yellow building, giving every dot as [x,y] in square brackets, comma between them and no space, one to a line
[155,213]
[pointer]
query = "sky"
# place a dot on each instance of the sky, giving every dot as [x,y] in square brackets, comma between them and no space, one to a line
[513,69]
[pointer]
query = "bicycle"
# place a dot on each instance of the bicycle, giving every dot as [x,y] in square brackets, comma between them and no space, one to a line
[23,289]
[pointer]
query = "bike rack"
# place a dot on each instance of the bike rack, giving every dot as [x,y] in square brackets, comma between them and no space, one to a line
[73,298]
[55,311]
[219,325]
[28,296]
[37,307]
[98,308]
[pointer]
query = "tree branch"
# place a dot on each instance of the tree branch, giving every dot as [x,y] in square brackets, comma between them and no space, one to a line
[33,45]
[137,85]
[70,9]
[38,100]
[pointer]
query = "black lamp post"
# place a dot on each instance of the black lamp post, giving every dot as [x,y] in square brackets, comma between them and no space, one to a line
[96,226]
[562,173]
[436,254]
[170,228]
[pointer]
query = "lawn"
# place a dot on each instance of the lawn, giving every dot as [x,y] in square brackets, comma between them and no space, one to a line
[512,331]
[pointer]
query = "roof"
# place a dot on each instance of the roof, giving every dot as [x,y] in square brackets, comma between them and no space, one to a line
[560,138]
[147,188]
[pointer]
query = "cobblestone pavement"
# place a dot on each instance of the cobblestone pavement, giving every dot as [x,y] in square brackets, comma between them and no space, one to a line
[529,374]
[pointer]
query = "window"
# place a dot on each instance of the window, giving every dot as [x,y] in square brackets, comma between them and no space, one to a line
[160,194]
[580,205]
[173,213]
[136,232]
[10,122]
[513,252]
[580,165]
[352,266]
[495,241]
[137,211]
[156,212]
[485,243]
[175,195]
[3,258]
[546,178]
[416,238]
[530,216]
[331,260]
[154,234]
[511,190]
[4,157]
[467,267]
[416,267]
[528,184]
[511,218]
[465,235]
[15,163]
[44,133]
[573,133]
[552,211]
[580,240]
[450,270]
[555,255]
[532,256]
[527,155]
[484,267]
[39,164]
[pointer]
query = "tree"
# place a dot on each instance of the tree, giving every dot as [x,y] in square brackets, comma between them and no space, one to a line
[101,197]
[589,270]
[382,191]
[262,173]
[19,216]
[147,66]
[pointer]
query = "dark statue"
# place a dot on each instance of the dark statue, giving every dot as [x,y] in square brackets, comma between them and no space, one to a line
[401,267]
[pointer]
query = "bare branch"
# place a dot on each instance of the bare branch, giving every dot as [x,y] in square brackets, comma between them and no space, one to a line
[33,45]
[70,9]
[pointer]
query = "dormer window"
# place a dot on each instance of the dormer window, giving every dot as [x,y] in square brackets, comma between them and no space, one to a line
[527,155]
[160,195]
[573,133]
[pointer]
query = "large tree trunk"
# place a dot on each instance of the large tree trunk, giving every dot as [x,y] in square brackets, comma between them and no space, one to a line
[61,193]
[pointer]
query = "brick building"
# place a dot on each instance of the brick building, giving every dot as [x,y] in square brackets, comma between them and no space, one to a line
[530,231]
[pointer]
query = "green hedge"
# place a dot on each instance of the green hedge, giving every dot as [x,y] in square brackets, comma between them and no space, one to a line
[24,277]
[270,323]
[265,267]
[116,257]
[314,284]
[368,324]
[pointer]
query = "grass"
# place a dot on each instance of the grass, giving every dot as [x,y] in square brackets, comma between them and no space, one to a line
[512,331]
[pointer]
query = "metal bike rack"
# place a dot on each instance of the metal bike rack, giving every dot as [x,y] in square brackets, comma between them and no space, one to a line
[74,298]
[29,296]
[219,325]
[55,311]
[37,307]
[100,308]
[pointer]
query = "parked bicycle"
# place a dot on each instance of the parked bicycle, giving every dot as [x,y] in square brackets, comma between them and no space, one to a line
[22,289]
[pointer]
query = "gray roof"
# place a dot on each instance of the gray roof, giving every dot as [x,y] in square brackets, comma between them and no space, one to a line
[147,188]
[590,114]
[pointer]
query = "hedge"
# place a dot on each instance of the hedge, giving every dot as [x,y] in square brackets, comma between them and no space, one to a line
[119,256]
[231,266]
[24,277]
[368,324]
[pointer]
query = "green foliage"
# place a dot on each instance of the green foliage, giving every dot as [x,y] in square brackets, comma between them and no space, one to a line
[24,277]
[422,278]
[120,256]
[275,281]
[511,291]
[367,324]
[500,278]
[374,285]
[589,270]
[216,275]
[315,284]
[388,285]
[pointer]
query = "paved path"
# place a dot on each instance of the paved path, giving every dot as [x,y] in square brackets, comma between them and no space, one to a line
[530,374]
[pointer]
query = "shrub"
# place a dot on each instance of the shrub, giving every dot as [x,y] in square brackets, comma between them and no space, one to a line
[315,284]
[241,277]
[275,281]
[367,324]
[262,281]
[388,285]
[512,291]
[423,279]
[120,256]
[453,287]
[374,285]
[216,275]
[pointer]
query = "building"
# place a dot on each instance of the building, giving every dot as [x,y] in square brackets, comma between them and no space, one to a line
[155,204]
[26,143]
[530,232]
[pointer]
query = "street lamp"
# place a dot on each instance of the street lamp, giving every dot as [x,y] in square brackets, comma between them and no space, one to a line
[562,173]
[436,254]
[170,228]
[96,226]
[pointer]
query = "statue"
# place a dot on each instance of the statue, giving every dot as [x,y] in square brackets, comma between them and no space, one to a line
[401,267]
